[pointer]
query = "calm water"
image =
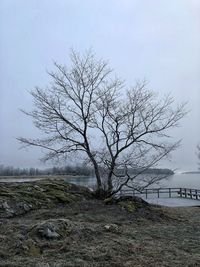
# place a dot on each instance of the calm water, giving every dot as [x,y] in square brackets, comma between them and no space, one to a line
[176,180]
[183,180]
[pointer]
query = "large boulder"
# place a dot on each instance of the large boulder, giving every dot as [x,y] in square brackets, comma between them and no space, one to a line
[11,208]
[52,228]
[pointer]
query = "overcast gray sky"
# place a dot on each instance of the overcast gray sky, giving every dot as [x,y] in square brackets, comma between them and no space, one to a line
[158,40]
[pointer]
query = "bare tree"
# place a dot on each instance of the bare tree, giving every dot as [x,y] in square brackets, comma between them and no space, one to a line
[87,111]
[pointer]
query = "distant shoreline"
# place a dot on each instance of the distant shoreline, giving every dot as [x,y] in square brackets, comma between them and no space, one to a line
[34,178]
[192,172]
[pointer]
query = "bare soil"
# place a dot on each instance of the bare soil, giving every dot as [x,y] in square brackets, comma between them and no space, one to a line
[54,224]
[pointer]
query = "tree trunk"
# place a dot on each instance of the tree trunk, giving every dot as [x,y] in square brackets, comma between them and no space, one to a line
[110,185]
[99,191]
[97,174]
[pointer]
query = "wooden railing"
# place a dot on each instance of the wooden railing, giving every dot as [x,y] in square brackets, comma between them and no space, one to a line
[163,192]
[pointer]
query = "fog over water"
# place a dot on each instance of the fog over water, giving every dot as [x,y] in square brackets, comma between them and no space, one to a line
[156,40]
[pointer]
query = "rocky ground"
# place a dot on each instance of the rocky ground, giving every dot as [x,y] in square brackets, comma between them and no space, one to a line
[55,224]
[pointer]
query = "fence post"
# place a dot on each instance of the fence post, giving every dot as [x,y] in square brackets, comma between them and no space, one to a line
[185,192]
[190,193]
[170,192]
[196,194]
[158,193]
[181,192]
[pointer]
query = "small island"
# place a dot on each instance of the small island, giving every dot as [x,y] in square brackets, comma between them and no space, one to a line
[192,172]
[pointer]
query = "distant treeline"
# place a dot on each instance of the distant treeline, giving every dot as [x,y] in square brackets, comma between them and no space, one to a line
[66,170]
[70,170]
[154,171]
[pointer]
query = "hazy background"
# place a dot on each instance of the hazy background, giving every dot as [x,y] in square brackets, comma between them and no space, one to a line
[158,40]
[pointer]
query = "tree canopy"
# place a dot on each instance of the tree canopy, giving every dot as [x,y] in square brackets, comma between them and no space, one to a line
[88,112]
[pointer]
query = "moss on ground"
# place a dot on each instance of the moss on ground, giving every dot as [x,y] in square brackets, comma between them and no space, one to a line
[67,227]
[16,199]
[128,205]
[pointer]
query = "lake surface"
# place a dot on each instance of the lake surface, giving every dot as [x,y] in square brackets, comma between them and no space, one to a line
[189,180]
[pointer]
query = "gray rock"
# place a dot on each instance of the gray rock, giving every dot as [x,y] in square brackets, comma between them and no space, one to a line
[12,209]
[53,228]
[111,228]
[5,205]
[25,206]
[39,188]
[48,233]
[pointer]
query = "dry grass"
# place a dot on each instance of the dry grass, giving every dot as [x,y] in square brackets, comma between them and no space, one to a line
[95,234]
